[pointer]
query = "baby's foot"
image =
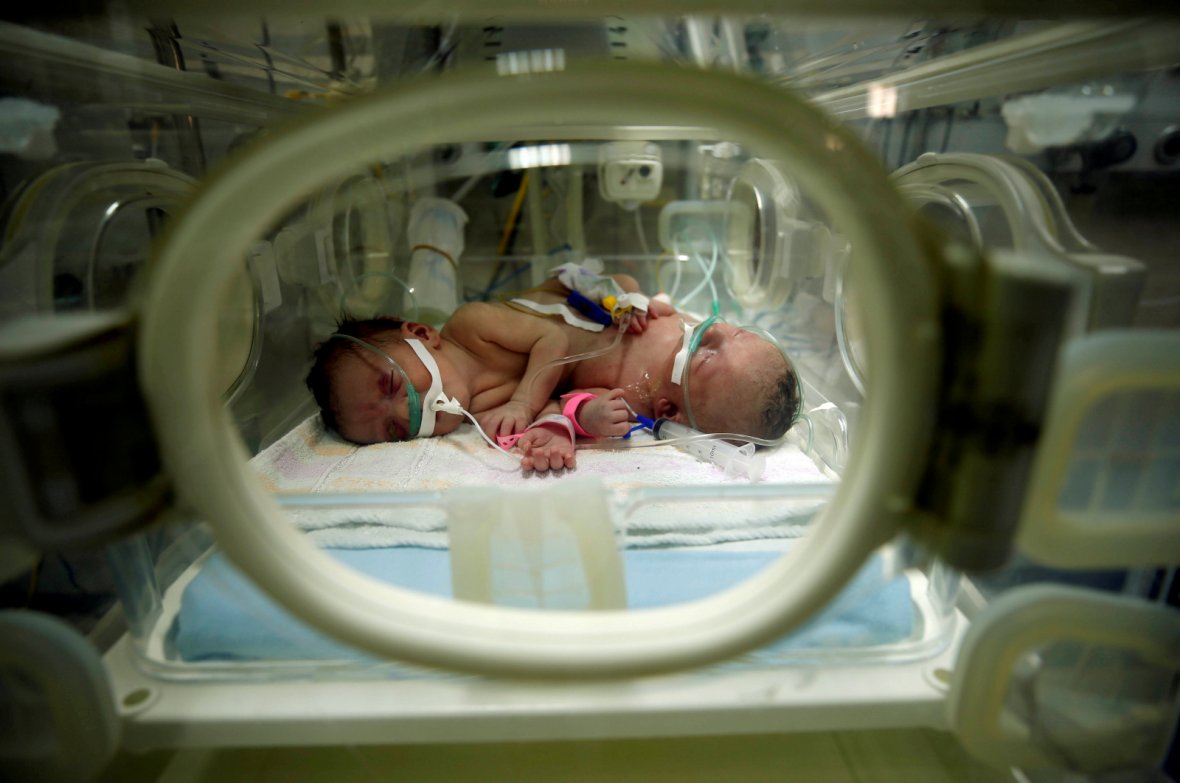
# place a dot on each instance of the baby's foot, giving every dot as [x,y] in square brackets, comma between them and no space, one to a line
[605,416]
[545,449]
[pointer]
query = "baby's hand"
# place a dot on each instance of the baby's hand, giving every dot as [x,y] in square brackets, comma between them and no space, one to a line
[506,419]
[655,309]
[545,449]
[605,415]
[637,323]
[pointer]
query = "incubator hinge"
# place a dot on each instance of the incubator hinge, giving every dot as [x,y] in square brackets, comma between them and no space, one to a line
[78,455]
[1005,319]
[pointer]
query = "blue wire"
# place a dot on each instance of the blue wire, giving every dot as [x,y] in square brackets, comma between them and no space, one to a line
[73,577]
[524,268]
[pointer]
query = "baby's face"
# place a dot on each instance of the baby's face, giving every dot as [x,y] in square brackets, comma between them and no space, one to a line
[370,397]
[729,377]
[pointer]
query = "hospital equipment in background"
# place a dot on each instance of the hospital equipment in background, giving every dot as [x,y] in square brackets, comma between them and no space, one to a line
[992,402]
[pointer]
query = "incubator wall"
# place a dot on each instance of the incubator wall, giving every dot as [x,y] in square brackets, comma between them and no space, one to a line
[1004,150]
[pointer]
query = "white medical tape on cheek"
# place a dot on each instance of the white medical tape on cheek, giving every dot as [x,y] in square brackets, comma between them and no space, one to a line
[434,400]
[681,360]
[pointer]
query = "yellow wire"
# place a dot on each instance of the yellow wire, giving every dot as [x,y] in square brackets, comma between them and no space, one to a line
[662,259]
[34,575]
[514,214]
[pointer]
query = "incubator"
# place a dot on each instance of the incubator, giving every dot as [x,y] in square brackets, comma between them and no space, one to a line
[963,542]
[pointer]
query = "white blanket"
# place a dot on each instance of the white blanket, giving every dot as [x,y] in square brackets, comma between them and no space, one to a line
[310,460]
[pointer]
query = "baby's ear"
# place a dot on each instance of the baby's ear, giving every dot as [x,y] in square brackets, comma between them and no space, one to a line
[425,333]
[663,408]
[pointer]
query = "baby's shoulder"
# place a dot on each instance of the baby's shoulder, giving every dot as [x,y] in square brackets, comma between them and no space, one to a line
[481,320]
[475,315]
[471,311]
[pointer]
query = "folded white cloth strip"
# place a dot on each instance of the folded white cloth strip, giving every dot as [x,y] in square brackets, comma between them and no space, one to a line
[311,460]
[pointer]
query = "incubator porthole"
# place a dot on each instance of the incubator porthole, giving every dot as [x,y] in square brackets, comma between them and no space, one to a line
[86,231]
[782,248]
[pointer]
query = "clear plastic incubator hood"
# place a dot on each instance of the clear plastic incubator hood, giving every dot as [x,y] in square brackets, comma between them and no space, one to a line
[954,506]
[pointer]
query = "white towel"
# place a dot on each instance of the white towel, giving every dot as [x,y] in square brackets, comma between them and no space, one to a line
[310,460]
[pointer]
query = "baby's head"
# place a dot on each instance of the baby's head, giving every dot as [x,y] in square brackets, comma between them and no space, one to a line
[331,354]
[777,404]
[364,396]
[736,381]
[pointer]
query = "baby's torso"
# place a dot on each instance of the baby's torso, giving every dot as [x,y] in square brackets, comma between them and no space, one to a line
[502,369]
[597,370]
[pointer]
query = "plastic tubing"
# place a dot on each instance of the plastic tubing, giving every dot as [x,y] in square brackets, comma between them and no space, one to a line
[676,280]
[707,271]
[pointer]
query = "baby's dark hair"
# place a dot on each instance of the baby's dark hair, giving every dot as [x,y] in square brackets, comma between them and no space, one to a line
[783,405]
[326,356]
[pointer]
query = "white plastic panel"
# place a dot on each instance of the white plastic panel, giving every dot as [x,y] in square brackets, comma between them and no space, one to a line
[1106,488]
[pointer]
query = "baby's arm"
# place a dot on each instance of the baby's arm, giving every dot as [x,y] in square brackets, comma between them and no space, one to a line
[535,386]
[550,448]
[486,330]
[595,413]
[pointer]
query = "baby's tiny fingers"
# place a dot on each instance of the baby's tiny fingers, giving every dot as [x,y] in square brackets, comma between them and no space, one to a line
[548,461]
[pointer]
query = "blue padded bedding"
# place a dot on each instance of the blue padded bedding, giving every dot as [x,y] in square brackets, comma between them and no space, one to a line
[223,617]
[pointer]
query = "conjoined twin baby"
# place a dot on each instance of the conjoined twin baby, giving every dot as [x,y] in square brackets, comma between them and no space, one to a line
[584,355]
